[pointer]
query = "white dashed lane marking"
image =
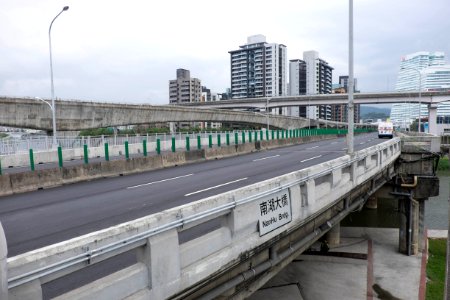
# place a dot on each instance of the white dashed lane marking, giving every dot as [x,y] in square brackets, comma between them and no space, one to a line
[159,181]
[311,158]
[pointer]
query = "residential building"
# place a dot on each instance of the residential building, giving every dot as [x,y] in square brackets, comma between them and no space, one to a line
[311,76]
[258,69]
[339,112]
[184,88]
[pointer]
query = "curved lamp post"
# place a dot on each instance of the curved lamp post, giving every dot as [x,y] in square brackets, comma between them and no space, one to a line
[53,108]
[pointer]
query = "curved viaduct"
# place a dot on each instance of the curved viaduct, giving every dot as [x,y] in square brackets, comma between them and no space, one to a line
[79,115]
[425,97]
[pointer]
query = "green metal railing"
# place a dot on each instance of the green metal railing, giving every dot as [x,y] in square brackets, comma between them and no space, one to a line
[239,138]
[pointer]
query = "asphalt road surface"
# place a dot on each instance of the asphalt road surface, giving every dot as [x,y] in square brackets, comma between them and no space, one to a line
[36,219]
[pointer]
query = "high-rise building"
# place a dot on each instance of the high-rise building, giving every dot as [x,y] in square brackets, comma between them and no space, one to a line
[425,71]
[258,69]
[339,112]
[297,86]
[297,77]
[184,88]
[314,76]
[319,74]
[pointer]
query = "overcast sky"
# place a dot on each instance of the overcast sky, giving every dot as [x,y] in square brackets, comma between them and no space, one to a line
[127,51]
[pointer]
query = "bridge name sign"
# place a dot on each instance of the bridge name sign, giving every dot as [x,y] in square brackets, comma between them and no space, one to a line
[274,211]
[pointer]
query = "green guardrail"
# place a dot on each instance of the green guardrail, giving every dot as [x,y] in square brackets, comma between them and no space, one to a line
[252,137]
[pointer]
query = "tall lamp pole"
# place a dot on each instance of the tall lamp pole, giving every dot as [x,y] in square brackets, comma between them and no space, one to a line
[350,81]
[55,143]
[267,112]
[420,93]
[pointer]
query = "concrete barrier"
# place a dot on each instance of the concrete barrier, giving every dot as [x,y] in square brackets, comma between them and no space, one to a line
[5,185]
[34,180]
[165,267]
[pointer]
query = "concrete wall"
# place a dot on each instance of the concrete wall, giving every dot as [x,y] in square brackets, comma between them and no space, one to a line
[166,267]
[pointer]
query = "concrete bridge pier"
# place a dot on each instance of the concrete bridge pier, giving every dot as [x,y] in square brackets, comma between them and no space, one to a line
[432,115]
[333,236]
[372,202]
[410,237]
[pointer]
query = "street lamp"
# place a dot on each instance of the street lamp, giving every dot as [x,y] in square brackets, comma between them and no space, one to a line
[420,93]
[350,113]
[267,112]
[55,143]
[52,111]
[42,100]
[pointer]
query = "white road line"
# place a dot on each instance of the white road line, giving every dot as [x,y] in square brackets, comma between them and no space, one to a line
[333,143]
[344,148]
[168,179]
[266,157]
[311,158]
[362,143]
[214,187]
[312,147]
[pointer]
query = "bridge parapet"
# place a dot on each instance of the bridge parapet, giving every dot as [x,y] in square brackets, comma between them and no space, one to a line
[167,265]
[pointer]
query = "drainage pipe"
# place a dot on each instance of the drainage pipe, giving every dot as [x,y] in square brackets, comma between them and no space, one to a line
[410,185]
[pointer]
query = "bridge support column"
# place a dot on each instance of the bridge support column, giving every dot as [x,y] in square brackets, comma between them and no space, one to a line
[409,234]
[432,115]
[372,202]
[161,256]
[333,236]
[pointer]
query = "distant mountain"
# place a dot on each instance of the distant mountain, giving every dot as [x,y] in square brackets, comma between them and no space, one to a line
[371,112]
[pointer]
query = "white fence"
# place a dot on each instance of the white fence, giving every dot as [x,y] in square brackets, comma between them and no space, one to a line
[44,143]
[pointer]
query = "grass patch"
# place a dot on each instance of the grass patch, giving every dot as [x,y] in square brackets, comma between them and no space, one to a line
[436,268]
[443,164]
[443,167]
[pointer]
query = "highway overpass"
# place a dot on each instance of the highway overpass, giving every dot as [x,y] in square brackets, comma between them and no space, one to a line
[156,217]
[78,115]
[430,98]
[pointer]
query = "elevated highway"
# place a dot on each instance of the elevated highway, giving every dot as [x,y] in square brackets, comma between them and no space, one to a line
[430,98]
[78,115]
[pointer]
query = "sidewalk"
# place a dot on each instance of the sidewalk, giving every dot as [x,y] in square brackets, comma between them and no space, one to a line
[367,264]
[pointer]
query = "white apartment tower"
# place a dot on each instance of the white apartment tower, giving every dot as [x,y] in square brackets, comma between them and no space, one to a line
[258,69]
[319,76]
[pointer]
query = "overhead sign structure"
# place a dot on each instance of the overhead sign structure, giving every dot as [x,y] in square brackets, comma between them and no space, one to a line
[274,211]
